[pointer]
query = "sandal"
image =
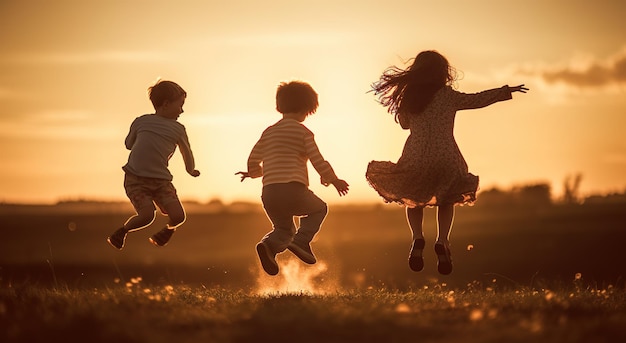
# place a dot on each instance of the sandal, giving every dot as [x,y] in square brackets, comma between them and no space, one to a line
[416,261]
[444,266]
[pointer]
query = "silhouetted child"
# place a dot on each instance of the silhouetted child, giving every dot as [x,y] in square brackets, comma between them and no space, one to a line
[431,170]
[152,140]
[281,156]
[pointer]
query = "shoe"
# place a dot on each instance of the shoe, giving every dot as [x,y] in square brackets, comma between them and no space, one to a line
[444,266]
[267,258]
[303,252]
[118,238]
[416,261]
[162,237]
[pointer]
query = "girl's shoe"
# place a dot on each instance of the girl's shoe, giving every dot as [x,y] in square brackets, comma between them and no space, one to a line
[162,237]
[416,261]
[444,266]
[118,238]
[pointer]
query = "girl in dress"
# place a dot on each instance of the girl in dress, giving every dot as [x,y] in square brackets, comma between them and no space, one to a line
[431,170]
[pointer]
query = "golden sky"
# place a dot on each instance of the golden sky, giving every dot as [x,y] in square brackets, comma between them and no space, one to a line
[74,74]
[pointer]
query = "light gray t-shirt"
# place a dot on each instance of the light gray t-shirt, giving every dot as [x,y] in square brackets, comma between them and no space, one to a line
[152,141]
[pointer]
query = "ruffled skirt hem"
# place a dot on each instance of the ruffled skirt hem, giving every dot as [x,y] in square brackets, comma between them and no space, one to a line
[420,188]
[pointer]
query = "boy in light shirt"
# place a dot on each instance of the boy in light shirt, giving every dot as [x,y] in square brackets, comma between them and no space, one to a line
[152,141]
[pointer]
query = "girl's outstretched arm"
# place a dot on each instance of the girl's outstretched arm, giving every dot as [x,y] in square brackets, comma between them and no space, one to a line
[469,101]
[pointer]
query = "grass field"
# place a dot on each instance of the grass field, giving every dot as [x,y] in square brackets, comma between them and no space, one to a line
[142,313]
[548,275]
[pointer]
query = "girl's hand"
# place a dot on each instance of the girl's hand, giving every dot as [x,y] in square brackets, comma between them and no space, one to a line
[243,174]
[519,88]
[341,186]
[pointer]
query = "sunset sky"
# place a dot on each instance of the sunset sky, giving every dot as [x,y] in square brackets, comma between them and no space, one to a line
[74,74]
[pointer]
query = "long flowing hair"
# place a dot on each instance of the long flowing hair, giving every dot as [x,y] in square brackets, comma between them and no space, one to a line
[410,90]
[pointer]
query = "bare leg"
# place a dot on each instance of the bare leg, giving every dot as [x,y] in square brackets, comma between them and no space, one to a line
[415,218]
[445,218]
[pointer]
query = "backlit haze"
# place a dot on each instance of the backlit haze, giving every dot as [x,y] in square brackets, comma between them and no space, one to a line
[74,74]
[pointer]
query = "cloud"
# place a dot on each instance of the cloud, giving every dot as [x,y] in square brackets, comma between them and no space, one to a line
[584,72]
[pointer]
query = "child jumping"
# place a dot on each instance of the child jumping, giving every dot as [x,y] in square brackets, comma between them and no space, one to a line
[152,140]
[431,170]
[280,156]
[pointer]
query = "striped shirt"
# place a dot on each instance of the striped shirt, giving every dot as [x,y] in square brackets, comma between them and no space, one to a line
[152,141]
[282,152]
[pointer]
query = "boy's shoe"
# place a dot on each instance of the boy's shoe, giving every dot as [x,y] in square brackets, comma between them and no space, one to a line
[444,266]
[303,252]
[118,238]
[162,237]
[268,260]
[416,260]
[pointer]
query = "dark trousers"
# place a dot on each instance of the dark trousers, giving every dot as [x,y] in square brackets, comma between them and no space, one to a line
[284,201]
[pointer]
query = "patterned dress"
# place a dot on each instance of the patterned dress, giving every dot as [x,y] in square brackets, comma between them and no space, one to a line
[432,170]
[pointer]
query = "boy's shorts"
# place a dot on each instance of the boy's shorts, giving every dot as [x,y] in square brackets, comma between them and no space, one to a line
[147,191]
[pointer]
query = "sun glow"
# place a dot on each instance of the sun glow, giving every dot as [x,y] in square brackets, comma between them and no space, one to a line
[70,95]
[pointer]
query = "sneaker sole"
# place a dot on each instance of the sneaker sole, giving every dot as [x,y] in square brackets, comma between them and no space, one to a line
[267,262]
[301,254]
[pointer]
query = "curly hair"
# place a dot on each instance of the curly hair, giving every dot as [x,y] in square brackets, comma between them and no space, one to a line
[296,97]
[164,91]
[410,90]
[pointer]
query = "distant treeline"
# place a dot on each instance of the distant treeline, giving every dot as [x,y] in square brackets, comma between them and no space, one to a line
[531,195]
[540,195]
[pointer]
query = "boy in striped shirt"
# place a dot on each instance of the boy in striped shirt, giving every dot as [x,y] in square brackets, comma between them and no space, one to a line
[280,156]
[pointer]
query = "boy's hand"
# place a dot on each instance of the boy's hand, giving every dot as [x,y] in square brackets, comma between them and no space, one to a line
[194,173]
[244,175]
[341,186]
